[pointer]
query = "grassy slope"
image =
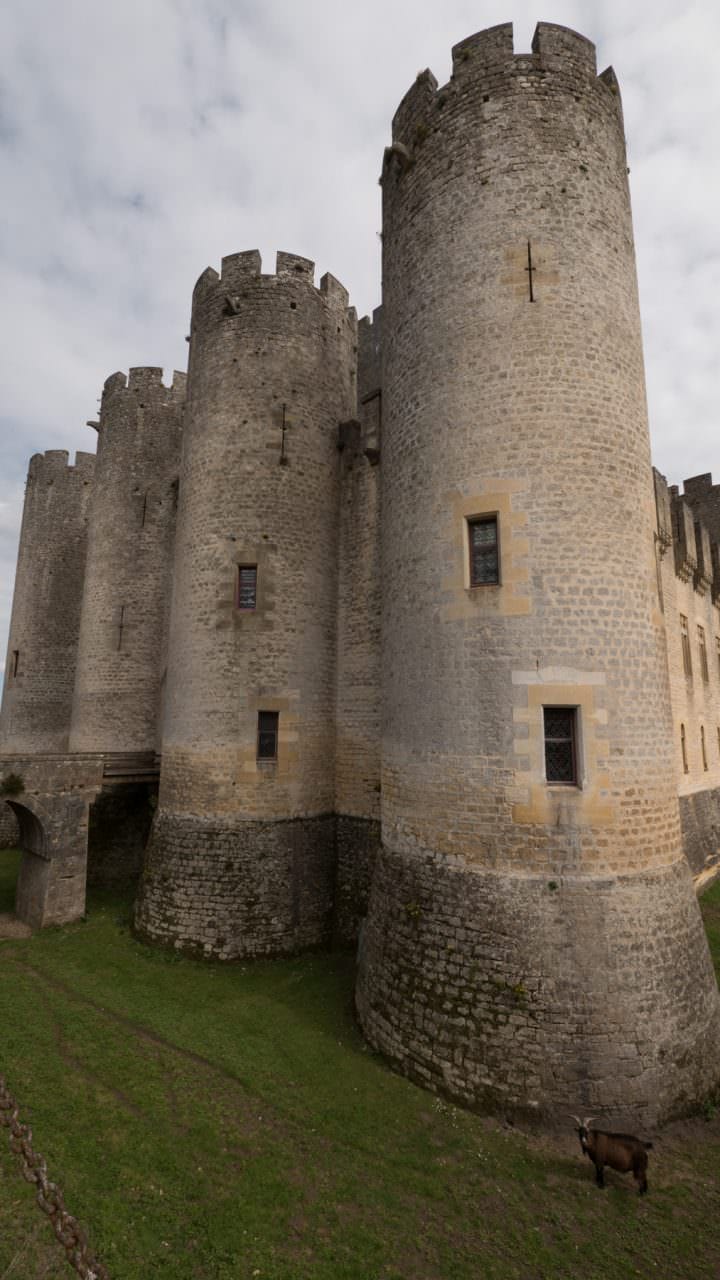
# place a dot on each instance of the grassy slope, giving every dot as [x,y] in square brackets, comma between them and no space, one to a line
[213,1122]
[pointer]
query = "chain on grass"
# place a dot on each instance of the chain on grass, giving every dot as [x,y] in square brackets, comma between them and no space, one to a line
[48,1195]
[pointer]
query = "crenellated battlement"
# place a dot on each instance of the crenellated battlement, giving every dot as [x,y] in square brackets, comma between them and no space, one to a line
[484,50]
[239,270]
[685,522]
[146,381]
[486,59]
[54,463]
[556,48]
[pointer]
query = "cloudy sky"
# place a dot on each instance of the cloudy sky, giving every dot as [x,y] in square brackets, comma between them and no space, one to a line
[141,140]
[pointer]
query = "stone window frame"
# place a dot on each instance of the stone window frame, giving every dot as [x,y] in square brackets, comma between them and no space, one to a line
[702,649]
[472,522]
[268,731]
[685,645]
[241,569]
[573,739]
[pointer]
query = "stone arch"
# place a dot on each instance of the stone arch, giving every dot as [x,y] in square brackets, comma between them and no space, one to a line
[8,827]
[34,873]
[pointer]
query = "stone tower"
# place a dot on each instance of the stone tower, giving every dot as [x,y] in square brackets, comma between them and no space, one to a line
[45,625]
[241,857]
[116,705]
[533,937]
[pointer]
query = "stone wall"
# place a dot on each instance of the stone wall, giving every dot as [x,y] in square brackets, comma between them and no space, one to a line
[9,833]
[123,632]
[358,697]
[689,589]
[524,995]
[45,623]
[262,888]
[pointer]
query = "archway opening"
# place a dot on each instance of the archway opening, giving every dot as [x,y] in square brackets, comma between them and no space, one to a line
[32,873]
[10,856]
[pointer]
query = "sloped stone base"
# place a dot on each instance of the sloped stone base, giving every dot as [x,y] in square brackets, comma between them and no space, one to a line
[528,994]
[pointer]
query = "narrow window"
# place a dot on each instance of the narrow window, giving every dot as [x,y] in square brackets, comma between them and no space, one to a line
[16,661]
[683,748]
[685,640]
[718,733]
[267,737]
[247,587]
[702,747]
[484,557]
[561,745]
[703,654]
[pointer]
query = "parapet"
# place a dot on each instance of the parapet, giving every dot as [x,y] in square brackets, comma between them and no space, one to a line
[484,58]
[556,47]
[239,270]
[370,354]
[54,464]
[146,381]
[681,523]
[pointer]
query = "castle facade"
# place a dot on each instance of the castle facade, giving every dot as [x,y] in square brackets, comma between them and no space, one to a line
[387,628]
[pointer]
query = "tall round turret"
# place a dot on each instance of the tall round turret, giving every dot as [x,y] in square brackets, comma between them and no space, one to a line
[533,936]
[121,653]
[44,629]
[241,856]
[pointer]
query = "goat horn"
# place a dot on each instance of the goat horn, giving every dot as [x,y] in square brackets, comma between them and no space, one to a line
[588,1120]
[577,1119]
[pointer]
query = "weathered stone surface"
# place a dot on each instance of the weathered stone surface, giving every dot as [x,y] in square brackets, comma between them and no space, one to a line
[239,889]
[9,833]
[123,629]
[45,623]
[530,995]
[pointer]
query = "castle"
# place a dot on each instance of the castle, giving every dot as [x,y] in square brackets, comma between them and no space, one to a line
[388,622]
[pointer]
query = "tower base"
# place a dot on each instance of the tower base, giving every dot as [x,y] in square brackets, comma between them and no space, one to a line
[232,891]
[528,994]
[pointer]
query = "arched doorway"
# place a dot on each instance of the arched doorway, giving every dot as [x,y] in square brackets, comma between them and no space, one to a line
[9,858]
[34,870]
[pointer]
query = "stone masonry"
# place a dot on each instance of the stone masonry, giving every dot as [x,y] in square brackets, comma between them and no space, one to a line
[253,662]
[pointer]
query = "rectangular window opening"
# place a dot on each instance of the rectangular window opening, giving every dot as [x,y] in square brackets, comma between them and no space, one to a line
[703,655]
[702,747]
[683,748]
[484,550]
[267,735]
[561,754]
[247,588]
[15,661]
[685,641]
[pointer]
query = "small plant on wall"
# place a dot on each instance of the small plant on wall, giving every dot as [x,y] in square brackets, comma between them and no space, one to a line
[11,785]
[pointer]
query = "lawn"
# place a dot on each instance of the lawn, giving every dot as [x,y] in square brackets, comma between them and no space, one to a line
[209,1122]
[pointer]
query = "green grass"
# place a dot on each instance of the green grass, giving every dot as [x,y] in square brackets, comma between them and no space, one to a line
[212,1122]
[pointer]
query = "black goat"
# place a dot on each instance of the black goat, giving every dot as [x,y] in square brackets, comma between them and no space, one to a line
[618,1150]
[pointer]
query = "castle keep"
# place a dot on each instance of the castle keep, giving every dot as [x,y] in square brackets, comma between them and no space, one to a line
[389,627]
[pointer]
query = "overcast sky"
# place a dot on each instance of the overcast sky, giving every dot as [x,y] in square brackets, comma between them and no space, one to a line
[141,140]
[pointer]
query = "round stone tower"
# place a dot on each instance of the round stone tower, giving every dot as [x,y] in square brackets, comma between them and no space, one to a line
[121,653]
[240,860]
[44,629]
[533,939]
